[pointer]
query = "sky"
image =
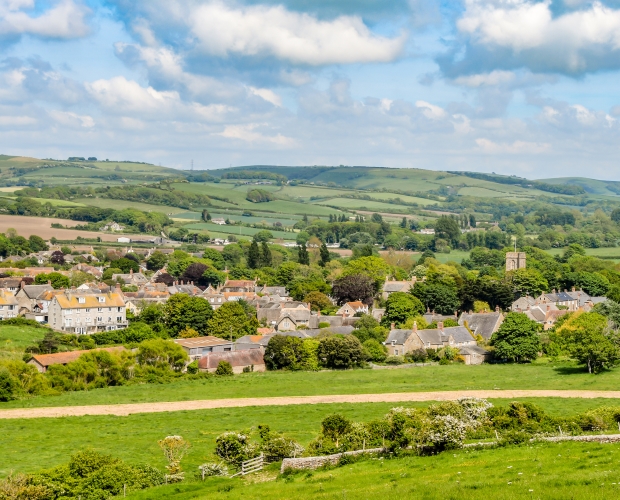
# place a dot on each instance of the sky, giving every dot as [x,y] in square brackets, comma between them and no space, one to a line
[519,87]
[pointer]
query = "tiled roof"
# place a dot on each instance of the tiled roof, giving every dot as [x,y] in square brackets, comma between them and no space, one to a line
[398,336]
[70,300]
[202,342]
[481,323]
[62,358]
[7,298]
[246,357]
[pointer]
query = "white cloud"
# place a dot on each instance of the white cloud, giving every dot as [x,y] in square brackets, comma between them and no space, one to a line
[17,121]
[267,95]
[248,133]
[516,147]
[221,30]
[66,19]
[571,40]
[72,119]
[430,110]
[497,77]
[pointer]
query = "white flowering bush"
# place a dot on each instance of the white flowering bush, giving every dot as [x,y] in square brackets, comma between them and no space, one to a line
[475,410]
[446,432]
[212,469]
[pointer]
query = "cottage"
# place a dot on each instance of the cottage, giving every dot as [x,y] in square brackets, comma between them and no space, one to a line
[401,342]
[198,347]
[30,297]
[474,355]
[42,361]
[390,287]
[353,308]
[247,286]
[9,306]
[560,299]
[137,279]
[248,360]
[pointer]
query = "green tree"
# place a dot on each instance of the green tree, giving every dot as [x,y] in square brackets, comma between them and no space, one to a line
[438,297]
[232,320]
[266,259]
[127,265]
[367,328]
[254,256]
[37,244]
[528,282]
[181,311]
[335,426]
[318,301]
[517,338]
[587,338]
[375,350]
[215,257]
[284,353]
[340,352]
[615,215]
[373,267]
[224,368]
[401,306]
[303,257]
[324,253]
[263,236]
[156,261]
[447,228]
[57,280]
[8,385]
[162,353]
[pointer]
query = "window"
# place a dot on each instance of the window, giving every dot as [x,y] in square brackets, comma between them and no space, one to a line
[82,300]
[88,320]
[395,352]
[119,319]
[207,350]
[87,310]
[101,299]
[69,311]
[120,309]
[100,309]
[109,319]
[99,319]
[109,309]
[11,308]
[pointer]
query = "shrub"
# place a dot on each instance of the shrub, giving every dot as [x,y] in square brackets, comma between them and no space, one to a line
[395,360]
[513,437]
[374,350]
[212,469]
[8,385]
[234,447]
[224,368]
[192,368]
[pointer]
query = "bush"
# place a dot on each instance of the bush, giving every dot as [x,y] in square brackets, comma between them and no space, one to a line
[374,350]
[8,385]
[192,368]
[513,437]
[212,469]
[395,360]
[234,448]
[224,368]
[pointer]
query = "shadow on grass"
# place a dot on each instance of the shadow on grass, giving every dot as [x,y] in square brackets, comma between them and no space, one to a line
[569,370]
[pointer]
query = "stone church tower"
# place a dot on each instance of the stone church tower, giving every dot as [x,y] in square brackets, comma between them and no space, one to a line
[515,260]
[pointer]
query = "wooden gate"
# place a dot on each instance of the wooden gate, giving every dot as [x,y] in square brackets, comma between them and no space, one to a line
[252,465]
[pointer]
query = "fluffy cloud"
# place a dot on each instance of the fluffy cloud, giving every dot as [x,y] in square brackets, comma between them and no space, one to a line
[525,33]
[290,36]
[66,19]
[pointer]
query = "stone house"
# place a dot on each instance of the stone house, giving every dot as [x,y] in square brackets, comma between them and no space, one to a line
[483,324]
[9,306]
[401,342]
[31,297]
[136,279]
[239,286]
[474,355]
[352,308]
[390,287]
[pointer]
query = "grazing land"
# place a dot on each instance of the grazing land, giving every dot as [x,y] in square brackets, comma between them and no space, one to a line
[15,339]
[34,444]
[550,471]
[541,375]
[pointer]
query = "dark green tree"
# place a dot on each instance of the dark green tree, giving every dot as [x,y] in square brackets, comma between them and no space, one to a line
[340,352]
[446,228]
[517,338]
[254,256]
[438,297]
[216,257]
[325,258]
[335,426]
[183,311]
[156,261]
[284,353]
[266,258]
[303,257]
[615,215]
[232,321]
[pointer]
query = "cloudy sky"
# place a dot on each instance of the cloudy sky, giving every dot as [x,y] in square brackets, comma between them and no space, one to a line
[522,87]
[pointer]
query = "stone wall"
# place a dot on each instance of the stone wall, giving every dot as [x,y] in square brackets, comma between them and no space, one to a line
[308,463]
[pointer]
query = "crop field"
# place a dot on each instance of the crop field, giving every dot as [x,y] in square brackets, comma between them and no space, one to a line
[15,339]
[253,219]
[611,253]
[236,230]
[355,204]
[539,375]
[120,204]
[33,444]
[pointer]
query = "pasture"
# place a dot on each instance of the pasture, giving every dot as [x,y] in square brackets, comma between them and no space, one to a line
[15,339]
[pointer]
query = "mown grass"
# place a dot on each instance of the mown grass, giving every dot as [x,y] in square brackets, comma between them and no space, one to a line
[272,384]
[15,339]
[538,471]
[32,444]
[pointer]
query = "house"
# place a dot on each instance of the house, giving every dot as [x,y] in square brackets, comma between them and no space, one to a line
[9,306]
[219,222]
[30,297]
[560,299]
[123,239]
[14,283]
[113,226]
[377,313]
[136,301]
[249,360]
[401,342]
[92,270]
[432,317]
[83,313]
[427,231]
[279,291]
[522,303]
[474,355]
[390,287]
[42,361]
[239,286]
[353,308]
[198,347]
[131,278]
[483,324]
[291,319]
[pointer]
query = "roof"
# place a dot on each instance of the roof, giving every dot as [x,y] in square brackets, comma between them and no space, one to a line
[398,336]
[337,330]
[7,298]
[295,315]
[473,349]
[246,357]
[357,305]
[202,341]
[396,286]
[62,358]
[459,334]
[481,323]
[68,300]
[559,297]
[239,284]
[34,291]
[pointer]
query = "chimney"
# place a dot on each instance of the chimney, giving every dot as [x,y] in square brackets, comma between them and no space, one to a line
[415,327]
[131,272]
[49,282]
[528,307]
[319,313]
[440,325]
[22,284]
[565,290]
[573,289]
[470,311]
[192,283]
[496,309]
[428,310]
[548,308]
[456,314]
[309,306]
[182,282]
[393,326]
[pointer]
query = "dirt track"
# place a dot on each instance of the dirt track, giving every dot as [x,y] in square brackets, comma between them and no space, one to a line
[128,409]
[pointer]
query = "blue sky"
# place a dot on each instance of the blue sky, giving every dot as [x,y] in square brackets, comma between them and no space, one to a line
[522,87]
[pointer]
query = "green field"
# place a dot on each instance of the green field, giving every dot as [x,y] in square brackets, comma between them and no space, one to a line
[539,471]
[120,204]
[33,444]
[454,256]
[14,339]
[257,218]
[612,253]
[355,204]
[238,231]
[540,375]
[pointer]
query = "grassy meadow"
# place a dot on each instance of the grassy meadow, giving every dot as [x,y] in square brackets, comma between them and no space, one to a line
[34,444]
[538,471]
[540,375]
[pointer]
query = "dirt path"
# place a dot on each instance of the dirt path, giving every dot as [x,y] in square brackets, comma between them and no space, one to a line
[401,397]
